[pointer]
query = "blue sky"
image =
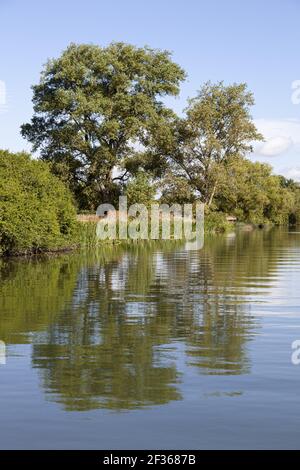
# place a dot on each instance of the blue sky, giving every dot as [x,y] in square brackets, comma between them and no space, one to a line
[253,41]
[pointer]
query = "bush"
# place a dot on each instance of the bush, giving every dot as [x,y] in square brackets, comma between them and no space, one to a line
[215,221]
[36,210]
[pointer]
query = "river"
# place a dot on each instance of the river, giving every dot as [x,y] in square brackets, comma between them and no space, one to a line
[153,346]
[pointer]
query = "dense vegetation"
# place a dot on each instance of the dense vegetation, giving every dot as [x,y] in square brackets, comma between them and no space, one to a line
[36,209]
[100,121]
[251,192]
[102,129]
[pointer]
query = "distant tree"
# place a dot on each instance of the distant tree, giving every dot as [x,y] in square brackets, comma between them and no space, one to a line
[216,127]
[294,188]
[254,194]
[95,108]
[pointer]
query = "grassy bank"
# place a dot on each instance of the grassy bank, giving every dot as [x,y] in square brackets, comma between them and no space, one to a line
[87,231]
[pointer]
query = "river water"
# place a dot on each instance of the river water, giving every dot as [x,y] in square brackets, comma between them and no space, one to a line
[153,346]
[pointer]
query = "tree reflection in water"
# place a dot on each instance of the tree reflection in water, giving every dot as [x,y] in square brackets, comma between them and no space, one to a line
[108,328]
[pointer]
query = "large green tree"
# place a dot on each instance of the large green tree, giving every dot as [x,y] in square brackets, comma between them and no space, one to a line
[94,110]
[217,126]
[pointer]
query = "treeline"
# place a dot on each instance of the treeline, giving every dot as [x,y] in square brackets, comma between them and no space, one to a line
[100,120]
[102,126]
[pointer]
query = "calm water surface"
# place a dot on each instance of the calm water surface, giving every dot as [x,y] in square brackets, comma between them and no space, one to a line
[153,346]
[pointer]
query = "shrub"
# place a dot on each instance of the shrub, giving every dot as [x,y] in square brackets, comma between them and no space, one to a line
[215,221]
[36,210]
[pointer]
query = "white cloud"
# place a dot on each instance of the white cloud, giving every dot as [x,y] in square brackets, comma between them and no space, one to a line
[280,136]
[275,146]
[292,173]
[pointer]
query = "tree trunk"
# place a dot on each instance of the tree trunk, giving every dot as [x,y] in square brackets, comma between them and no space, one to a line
[212,195]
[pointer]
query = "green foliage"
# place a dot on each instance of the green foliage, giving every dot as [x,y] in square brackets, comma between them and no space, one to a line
[215,221]
[140,190]
[295,214]
[251,192]
[97,109]
[294,188]
[36,210]
[176,190]
[217,126]
[87,234]
[92,106]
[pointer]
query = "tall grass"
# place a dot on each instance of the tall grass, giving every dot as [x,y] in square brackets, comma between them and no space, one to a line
[87,235]
[87,232]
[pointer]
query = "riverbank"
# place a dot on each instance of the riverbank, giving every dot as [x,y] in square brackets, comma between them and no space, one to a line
[85,236]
